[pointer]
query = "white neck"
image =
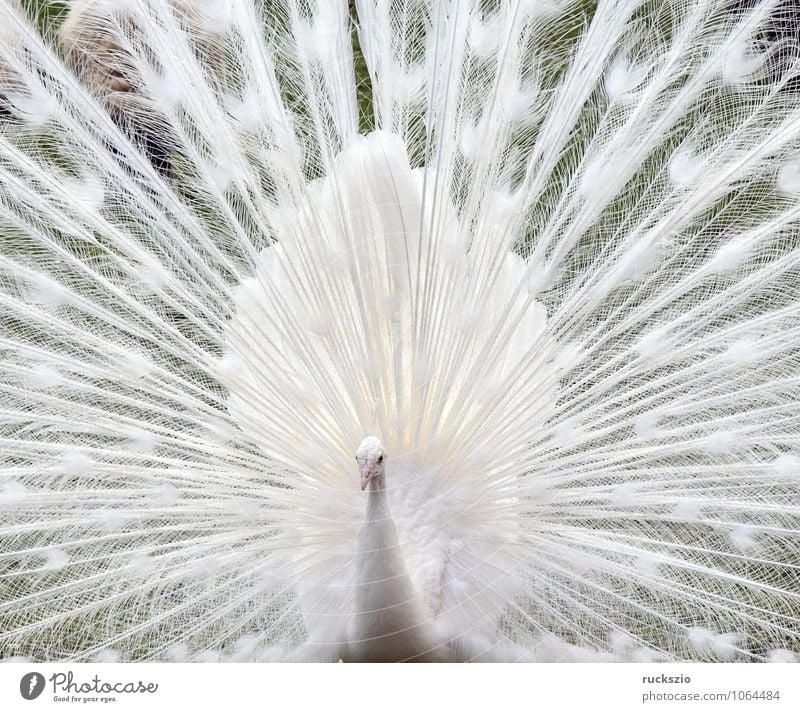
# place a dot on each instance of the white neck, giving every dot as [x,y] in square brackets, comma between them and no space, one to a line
[387,625]
[377,501]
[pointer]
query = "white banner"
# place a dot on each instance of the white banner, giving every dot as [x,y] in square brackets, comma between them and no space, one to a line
[406,688]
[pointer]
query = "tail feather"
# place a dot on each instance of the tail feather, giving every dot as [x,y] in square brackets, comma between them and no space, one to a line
[548,253]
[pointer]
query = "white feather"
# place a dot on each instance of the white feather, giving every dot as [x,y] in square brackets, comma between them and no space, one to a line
[546,253]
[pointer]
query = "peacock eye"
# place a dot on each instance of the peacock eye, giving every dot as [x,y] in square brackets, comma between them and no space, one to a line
[380,459]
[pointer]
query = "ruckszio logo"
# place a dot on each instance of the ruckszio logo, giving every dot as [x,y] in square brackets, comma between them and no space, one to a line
[31,685]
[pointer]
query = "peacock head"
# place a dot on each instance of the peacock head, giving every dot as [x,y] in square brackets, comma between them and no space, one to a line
[370,458]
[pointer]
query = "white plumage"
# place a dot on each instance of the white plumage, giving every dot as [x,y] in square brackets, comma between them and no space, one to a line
[534,265]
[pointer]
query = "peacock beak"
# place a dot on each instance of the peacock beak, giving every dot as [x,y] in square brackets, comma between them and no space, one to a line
[366,475]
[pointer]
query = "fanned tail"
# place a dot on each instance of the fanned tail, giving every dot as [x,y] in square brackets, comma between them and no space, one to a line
[548,253]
